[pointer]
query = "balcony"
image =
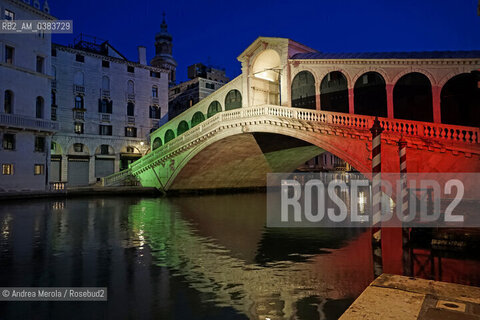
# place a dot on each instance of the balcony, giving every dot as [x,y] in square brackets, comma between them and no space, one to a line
[78,115]
[154,100]
[130,96]
[78,89]
[130,120]
[105,93]
[23,122]
[105,117]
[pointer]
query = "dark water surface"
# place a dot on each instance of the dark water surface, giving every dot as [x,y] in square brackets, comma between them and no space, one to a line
[205,257]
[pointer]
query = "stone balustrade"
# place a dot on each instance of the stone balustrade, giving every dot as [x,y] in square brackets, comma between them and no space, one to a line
[441,132]
[23,122]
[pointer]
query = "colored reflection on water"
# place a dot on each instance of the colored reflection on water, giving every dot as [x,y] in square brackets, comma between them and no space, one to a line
[205,257]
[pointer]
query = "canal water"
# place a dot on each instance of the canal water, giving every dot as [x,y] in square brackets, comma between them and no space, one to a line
[203,257]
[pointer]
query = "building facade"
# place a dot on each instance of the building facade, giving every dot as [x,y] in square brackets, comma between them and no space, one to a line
[106,106]
[203,81]
[25,126]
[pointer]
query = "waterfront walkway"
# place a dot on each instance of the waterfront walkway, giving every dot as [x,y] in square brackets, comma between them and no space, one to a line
[80,191]
[403,298]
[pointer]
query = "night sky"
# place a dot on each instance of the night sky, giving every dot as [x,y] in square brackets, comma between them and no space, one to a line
[216,32]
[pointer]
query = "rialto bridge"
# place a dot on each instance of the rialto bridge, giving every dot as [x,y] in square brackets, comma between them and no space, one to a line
[292,103]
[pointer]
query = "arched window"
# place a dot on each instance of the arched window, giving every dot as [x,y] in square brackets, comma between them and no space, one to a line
[370,95]
[412,98]
[197,118]
[157,142]
[154,92]
[78,102]
[155,112]
[39,107]
[78,79]
[334,92]
[169,135]
[130,109]
[130,87]
[105,105]
[233,100]
[460,101]
[8,102]
[303,91]
[182,127]
[105,83]
[214,108]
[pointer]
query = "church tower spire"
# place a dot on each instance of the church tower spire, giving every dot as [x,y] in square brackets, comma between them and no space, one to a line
[163,52]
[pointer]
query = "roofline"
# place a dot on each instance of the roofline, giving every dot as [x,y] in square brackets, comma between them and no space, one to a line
[106,57]
[33,9]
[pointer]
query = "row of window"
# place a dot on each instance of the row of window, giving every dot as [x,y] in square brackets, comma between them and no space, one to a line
[8,104]
[9,142]
[106,64]
[105,130]
[78,80]
[9,58]
[8,169]
[106,106]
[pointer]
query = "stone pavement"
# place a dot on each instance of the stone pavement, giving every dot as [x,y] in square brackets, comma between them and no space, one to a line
[403,298]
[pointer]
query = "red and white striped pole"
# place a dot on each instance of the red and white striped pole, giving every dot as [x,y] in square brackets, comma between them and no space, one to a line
[376,131]
[402,153]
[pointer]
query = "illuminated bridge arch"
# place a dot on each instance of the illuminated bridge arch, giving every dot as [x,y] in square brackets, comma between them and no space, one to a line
[303,91]
[370,95]
[197,118]
[169,135]
[460,101]
[214,108]
[157,143]
[233,100]
[334,92]
[412,98]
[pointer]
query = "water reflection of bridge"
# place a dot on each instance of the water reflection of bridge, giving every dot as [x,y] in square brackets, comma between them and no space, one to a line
[221,260]
[217,245]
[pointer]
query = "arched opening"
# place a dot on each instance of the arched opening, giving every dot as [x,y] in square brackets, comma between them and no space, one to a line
[334,92]
[169,135]
[233,100]
[214,108]
[197,118]
[267,65]
[460,101]
[154,112]
[157,143]
[182,127]
[39,108]
[78,102]
[8,102]
[303,91]
[104,161]
[370,95]
[412,98]
[154,92]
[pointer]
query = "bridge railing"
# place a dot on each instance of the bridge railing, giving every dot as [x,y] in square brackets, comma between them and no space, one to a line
[449,133]
[116,178]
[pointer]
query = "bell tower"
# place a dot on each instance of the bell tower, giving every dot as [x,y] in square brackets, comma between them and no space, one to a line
[163,52]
